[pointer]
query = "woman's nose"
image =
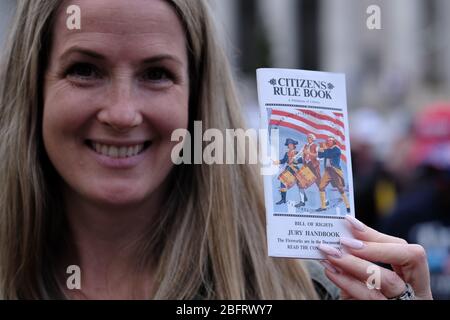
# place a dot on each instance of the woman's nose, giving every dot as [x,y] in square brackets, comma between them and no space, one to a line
[122,112]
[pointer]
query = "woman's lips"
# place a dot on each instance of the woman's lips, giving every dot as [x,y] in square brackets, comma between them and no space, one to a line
[118,154]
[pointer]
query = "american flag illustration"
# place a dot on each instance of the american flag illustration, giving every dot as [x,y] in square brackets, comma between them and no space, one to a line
[322,125]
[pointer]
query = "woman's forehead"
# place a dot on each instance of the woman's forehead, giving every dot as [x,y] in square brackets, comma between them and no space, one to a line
[139,24]
[121,17]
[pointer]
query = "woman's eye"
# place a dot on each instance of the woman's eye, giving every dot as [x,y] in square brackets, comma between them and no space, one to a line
[156,75]
[83,71]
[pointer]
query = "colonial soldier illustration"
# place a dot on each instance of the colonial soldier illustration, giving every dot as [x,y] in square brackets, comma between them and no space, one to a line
[310,154]
[333,173]
[291,159]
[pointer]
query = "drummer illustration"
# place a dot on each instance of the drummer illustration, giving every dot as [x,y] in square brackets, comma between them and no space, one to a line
[292,174]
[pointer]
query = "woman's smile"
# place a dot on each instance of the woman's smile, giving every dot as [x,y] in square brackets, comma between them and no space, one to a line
[118,154]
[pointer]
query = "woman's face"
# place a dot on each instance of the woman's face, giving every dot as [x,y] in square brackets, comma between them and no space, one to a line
[114,92]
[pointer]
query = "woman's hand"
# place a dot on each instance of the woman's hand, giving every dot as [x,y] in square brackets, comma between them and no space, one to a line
[350,270]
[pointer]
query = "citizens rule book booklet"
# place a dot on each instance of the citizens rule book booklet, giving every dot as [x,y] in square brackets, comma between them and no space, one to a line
[308,184]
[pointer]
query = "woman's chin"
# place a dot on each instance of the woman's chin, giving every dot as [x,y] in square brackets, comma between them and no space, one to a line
[119,198]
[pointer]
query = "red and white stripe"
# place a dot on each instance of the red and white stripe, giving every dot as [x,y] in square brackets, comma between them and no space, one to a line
[322,125]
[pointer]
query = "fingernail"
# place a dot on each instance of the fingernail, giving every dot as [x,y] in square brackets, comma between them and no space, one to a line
[358,225]
[329,267]
[352,243]
[329,250]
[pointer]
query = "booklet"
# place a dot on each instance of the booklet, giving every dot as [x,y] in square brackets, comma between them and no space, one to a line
[308,184]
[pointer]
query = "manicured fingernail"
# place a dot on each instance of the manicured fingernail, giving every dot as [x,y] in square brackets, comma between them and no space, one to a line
[358,225]
[328,266]
[329,250]
[352,243]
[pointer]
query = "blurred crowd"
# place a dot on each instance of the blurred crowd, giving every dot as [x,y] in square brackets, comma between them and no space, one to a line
[404,190]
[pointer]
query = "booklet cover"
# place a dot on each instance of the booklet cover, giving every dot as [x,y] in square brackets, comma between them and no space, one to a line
[308,181]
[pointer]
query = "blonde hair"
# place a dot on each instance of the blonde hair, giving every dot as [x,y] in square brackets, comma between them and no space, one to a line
[210,241]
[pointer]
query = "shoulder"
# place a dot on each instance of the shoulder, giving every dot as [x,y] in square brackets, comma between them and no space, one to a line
[324,287]
[336,149]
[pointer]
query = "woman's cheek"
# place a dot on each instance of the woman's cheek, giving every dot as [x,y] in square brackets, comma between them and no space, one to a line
[71,112]
[168,113]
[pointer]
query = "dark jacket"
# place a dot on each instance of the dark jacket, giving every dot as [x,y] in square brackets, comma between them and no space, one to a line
[333,154]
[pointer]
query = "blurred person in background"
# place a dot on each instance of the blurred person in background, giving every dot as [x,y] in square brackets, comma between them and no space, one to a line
[375,185]
[422,213]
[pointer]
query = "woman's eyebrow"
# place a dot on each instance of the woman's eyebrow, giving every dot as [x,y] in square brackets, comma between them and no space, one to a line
[83,51]
[162,57]
[99,56]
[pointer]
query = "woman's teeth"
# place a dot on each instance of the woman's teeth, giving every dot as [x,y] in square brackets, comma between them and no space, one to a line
[117,152]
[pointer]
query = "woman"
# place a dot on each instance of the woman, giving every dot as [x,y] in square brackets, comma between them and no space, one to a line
[86,118]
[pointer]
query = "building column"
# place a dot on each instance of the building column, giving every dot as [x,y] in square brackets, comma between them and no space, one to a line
[340,44]
[406,42]
[442,41]
[7,8]
[227,22]
[280,20]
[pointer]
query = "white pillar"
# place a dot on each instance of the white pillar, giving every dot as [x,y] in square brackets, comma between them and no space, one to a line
[6,14]
[280,19]
[442,41]
[227,22]
[406,37]
[340,43]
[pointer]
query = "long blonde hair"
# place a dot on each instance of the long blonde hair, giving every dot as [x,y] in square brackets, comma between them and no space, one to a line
[209,242]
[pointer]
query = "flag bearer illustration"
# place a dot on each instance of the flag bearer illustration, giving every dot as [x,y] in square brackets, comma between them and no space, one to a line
[292,158]
[333,174]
